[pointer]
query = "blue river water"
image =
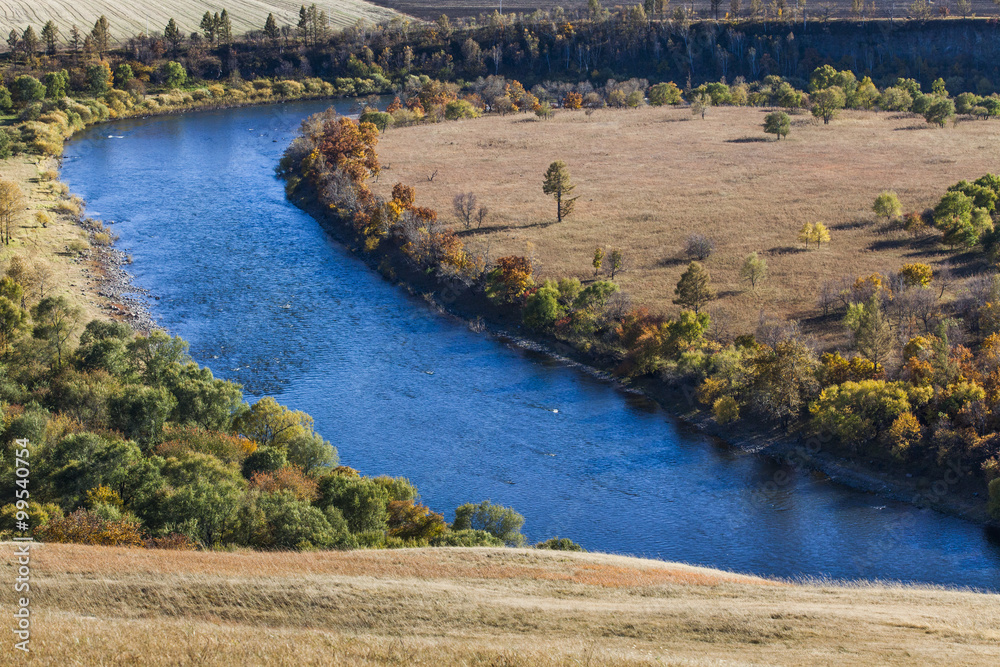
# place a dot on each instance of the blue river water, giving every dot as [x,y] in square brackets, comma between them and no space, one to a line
[267,300]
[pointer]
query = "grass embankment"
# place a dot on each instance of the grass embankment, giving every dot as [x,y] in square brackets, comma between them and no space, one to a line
[649,178]
[99,605]
[55,250]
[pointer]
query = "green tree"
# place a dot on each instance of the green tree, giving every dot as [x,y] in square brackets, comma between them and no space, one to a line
[270,424]
[754,270]
[363,502]
[827,103]
[859,412]
[99,78]
[209,27]
[26,89]
[140,412]
[887,205]
[873,335]
[542,309]
[311,453]
[56,320]
[558,185]
[12,322]
[173,35]
[29,43]
[173,74]
[56,84]
[123,74]
[271,30]
[940,111]
[694,289]
[895,99]
[501,522]
[50,35]
[224,27]
[700,102]
[777,123]
[100,36]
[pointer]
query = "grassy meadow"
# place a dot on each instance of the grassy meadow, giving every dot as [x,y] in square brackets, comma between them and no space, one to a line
[102,605]
[649,178]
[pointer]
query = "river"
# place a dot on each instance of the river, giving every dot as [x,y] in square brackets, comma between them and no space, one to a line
[267,300]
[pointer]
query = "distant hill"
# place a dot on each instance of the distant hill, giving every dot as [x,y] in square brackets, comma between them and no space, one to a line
[128,19]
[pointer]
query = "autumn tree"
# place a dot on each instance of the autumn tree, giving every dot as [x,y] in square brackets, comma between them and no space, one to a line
[887,205]
[916,275]
[509,279]
[598,259]
[350,147]
[11,208]
[777,123]
[664,93]
[558,185]
[694,289]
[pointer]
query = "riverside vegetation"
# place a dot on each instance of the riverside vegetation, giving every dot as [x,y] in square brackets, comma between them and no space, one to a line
[912,385]
[928,398]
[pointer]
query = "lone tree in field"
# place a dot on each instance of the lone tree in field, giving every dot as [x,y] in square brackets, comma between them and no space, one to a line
[887,206]
[694,289]
[754,270]
[827,103]
[557,184]
[699,247]
[700,103]
[617,260]
[777,123]
[464,205]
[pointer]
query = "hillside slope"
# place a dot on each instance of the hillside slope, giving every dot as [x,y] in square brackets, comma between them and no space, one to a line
[133,18]
[98,605]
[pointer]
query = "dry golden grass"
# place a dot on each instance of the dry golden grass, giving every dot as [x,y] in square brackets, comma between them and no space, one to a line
[50,247]
[649,178]
[102,606]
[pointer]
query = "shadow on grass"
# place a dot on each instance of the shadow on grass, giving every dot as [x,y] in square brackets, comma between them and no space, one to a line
[854,224]
[668,262]
[503,228]
[786,250]
[749,140]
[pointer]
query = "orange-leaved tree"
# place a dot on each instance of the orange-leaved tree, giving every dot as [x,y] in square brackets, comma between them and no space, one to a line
[350,146]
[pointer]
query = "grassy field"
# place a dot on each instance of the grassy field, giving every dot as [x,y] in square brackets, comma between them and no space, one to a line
[53,249]
[649,178]
[102,606]
[131,19]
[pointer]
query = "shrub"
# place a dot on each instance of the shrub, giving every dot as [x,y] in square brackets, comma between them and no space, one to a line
[559,544]
[725,409]
[85,527]
[466,538]
[501,522]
